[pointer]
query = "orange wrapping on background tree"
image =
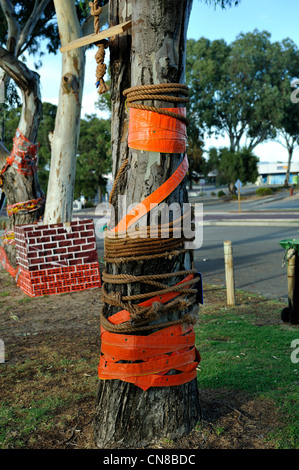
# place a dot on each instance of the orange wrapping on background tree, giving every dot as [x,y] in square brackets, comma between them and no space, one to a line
[23,156]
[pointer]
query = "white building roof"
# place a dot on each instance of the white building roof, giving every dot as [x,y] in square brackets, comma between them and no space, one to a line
[267,168]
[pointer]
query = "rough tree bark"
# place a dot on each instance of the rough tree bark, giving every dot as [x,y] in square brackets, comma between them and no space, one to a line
[59,205]
[126,416]
[18,187]
[17,40]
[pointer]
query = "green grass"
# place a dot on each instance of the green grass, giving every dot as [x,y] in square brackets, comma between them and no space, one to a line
[4,294]
[238,354]
[49,378]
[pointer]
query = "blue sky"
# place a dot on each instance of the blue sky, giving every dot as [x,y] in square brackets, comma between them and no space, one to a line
[279,17]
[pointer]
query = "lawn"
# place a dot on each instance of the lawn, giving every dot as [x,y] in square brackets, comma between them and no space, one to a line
[248,384]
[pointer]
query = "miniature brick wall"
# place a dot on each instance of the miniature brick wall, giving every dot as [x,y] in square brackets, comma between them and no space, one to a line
[57,258]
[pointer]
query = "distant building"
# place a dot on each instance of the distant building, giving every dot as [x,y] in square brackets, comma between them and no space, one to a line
[275,173]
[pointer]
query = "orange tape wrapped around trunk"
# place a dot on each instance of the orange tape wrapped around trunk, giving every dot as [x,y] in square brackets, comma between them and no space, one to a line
[170,348]
[157,132]
[173,347]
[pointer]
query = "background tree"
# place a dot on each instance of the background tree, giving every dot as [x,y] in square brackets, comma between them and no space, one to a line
[17,186]
[94,157]
[24,25]
[288,117]
[46,126]
[64,142]
[232,166]
[197,163]
[236,88]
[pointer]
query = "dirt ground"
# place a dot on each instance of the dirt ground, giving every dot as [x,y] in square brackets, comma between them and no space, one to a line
[44,329]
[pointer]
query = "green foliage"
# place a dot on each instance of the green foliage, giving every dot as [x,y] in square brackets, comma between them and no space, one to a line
[232,166]
[221,193]
[223,3]
[236,89]
[197,164]
[45,29]
[94,156]
[263,192]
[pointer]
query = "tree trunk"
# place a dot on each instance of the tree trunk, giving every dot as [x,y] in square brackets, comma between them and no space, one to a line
[127,416]
[16,186]
[60,194]
[290,155]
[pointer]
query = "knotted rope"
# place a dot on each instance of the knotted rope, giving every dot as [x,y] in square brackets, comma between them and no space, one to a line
[95,11]
[156,92]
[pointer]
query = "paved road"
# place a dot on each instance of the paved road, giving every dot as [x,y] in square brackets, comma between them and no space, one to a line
[257,253]
[277,202]
[257,257]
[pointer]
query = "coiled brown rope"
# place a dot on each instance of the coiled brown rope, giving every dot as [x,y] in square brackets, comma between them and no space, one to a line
[95,11]
[156,92]
[137,245]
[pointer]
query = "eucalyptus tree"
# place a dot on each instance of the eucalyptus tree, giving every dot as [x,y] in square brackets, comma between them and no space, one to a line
[153,52]
[237,88]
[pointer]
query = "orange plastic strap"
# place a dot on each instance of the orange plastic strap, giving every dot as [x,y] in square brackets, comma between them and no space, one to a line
[169,348]
[172,347]
[154,198]
[157,132]
[6,264]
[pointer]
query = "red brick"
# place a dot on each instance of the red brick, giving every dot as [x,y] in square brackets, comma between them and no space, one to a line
[43,240]
[32,254]
[34,234]
[50,232]
[47,246]
[74,249]
[66,256]
[70,236]
[43,266]
[60,250]
[87,233]
[73,262]
[49,259]
[65,243]
[79,241]
[57,238]
[36,247]
[37,261]
[89,246]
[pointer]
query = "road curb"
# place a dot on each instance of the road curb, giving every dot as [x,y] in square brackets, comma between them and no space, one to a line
[254,222]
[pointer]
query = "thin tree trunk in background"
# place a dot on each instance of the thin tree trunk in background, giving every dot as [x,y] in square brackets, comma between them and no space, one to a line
[18,187]
[290,156]
[60,194]
[126,416]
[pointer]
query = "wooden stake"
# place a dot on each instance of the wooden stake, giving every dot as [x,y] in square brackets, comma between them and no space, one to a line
[93,38]
[229,273]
